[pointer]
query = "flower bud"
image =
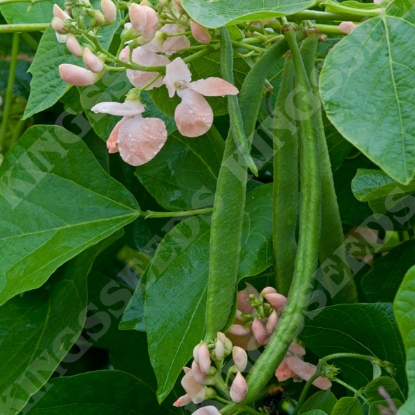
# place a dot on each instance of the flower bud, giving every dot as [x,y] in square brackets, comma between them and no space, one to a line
[240,358]
[222,337]
[268,290]
[75,75]
[58,12]
[238,330]
[138,17]
[198,376]
[346,27]
[277,301]
[239,388]
[196,353]
[259,331]
[219,350]
[92,62]
[271,323]
[182,401]
[228,346]
[98,19]
[73,46]
[58,25]
[200,33]
[204,358]
[109,10]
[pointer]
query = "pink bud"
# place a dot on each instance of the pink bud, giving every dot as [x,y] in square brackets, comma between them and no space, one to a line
[221,337]
[238,388]
[259,331]
[219,349]
[73,46]
[240,358]
[207,410]
[109,10]
[238,330]
[99,18]
[58,25]
[346,27]
[198,376]
[196,353]
[182,401]
[277,301]
[271,323]
[92,62]
[204,358]
[76,75]
[138,17]
[199,32]
[58,12]
[268,290]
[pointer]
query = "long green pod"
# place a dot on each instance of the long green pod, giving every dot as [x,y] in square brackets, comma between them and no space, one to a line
[292,319]
[227,219]
[285,207]
[334,273]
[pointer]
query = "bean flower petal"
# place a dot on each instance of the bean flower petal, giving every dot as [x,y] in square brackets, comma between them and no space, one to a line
[305,370]
[207,410]
[213,87]
[140,139]
[75,75]
[174,43]
[193,115]
[112,142]
[176,71]
[127,108]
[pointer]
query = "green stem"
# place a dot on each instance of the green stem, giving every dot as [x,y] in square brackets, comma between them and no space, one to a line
[316,15]
[250,410]
[150,214]
[247,46]
[304,393]
[30,41]
[23,27]
[9,92]
[329,29]
[351,388]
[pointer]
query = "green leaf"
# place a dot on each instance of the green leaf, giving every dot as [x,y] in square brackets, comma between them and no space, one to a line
[56,201]
[347,406]
[381,283]
[408,407]
[368,329]
[323,400]
[183,176]
[24,13]
[38,329]
[315,412]
[365,78]
[47,87]
[177,281]
[102,392]
[218,13]
[372,389]
[376,408]
[405,316]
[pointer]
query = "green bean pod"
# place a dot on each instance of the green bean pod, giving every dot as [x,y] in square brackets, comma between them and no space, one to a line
[286,182]
[334,273]
[292,319]
[227,218]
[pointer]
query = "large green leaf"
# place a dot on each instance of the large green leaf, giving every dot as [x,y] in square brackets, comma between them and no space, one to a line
[177,282]
[103,392]
[183,175]
[38,328]
[368,329]
[381,283]
[365,88]
[56,201]
[47,86]
[323,400]
[405,316]
[347,406]
[24,13]
[219,13]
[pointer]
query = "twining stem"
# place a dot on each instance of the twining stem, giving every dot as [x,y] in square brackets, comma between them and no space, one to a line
[9,92]
[292,319]
[316,15]
[150,214]
[23,27]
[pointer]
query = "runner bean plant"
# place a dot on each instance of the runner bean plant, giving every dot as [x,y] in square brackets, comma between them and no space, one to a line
[207,207]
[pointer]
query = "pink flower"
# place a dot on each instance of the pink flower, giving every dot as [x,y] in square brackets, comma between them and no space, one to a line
[199,32]
[109,10]
[194,390]
[346,27]
[238,388]
[293,366]
[207,410]
[240,358]
[137,139]
[144,20]
[193,115]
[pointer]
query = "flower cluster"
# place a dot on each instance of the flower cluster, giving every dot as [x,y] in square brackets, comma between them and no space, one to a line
[147,58]
[205,373]
[254,324]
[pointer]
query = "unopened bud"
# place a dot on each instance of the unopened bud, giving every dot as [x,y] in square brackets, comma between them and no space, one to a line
[109,10]
[138,18]
[196,353]
[268,290]
[58,25]
[239,388]
[222,337]
[204,358]
[58,12]
[259,331]
[98,19]
[92,62]
[200,33]
[240,358]
[75,75]
[219,350]
[277,301]
[73,46]
[271,323]
[198,375]
[228,346]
